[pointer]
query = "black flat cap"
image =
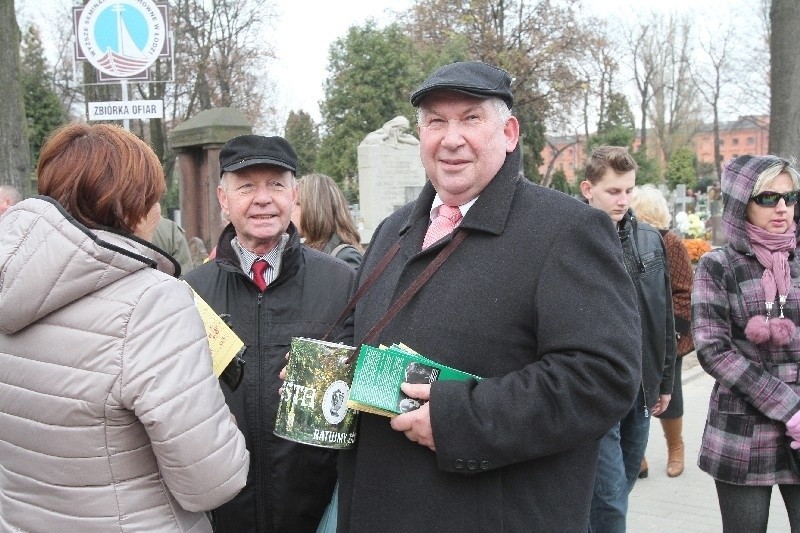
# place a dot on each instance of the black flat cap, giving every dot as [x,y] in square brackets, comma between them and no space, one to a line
[471,77]
[248,150]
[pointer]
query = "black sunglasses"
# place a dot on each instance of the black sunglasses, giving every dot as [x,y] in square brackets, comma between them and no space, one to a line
[771,199]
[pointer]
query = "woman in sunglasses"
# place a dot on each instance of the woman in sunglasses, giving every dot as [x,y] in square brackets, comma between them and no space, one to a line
[745,312]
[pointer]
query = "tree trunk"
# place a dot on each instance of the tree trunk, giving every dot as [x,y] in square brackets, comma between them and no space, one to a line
[784,125]
[717,156]
[14,151]
[643,128]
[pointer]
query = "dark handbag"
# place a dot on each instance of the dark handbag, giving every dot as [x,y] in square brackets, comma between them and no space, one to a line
[683,336]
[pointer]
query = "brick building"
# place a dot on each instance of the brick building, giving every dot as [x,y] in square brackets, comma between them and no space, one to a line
[746,135]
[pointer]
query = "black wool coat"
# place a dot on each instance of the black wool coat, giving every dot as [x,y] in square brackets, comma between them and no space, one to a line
[536,301]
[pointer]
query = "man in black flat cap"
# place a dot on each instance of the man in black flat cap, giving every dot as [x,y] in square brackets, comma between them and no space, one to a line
[535,300]
[274,289]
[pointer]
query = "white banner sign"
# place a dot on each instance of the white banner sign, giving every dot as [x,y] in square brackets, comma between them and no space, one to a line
[126,109]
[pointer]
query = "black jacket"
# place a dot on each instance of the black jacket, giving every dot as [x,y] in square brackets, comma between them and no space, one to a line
[289,484]
[646,262]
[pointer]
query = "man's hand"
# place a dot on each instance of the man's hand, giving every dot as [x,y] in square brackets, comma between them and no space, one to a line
[282,373]
[662,404]
[416,424]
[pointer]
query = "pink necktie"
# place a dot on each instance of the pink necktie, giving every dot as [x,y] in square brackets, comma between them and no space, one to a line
[258,269]
[445,222]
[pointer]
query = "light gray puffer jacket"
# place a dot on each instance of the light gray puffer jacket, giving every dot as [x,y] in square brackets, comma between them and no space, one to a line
[110,416]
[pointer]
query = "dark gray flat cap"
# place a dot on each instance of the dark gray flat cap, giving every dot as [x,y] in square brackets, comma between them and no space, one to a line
[248,150]
[470,77]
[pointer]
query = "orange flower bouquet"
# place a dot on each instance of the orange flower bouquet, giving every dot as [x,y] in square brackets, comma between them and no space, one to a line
[696,248]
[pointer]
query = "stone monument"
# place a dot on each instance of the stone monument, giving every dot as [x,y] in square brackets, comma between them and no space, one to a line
[390,173]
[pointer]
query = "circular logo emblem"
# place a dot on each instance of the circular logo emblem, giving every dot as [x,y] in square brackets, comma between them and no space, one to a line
[334,402]
[121,38]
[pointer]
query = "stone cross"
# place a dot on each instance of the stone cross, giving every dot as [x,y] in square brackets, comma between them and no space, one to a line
[679,198]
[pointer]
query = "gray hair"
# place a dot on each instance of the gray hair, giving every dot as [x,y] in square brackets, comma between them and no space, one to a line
[223,182]
[503,111]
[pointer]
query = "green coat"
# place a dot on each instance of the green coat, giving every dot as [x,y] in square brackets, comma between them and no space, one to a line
[170,238]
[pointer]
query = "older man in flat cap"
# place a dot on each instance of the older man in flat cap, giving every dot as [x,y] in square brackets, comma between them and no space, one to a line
[274,289]
[534,299]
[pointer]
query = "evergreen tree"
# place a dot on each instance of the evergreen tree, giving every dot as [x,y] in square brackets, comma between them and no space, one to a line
[618,114]
[371,74]
[303,135]
[560,182]
[613,136]
[680,169]
[617,129]
[649,170]
[532,140]
[43,109]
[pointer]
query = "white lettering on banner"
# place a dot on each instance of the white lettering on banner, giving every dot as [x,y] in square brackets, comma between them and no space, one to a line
[123,110]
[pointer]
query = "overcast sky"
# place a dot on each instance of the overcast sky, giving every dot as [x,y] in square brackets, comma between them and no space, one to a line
[307,28]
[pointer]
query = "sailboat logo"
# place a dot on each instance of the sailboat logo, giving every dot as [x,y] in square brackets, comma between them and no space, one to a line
[121,38]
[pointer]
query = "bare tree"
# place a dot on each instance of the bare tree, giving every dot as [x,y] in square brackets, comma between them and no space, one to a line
[220,57]
[753,83]
[712,77]
[540,42]
[674,111]
[784,126]
[13,137]
[556,151]
[646,56]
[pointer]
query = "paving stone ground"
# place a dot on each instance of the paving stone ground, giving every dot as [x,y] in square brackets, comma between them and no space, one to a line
[687,503]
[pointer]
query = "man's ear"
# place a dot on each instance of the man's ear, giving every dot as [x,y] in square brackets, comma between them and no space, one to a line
[586,189]
[222,196]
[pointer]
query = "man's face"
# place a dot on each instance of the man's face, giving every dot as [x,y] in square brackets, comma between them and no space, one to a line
[612,193]
[463,143]
[259,202]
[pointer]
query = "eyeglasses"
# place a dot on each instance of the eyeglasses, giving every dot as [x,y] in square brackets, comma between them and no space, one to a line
[771,199]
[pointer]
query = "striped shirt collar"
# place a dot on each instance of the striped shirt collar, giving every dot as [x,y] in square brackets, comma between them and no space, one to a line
[273,258]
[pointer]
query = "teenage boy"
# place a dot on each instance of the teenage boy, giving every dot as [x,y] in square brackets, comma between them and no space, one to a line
[610,179]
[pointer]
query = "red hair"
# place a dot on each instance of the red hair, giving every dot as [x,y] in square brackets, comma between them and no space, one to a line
[102,174]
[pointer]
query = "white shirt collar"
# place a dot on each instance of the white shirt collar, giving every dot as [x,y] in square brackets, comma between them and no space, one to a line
[438,201]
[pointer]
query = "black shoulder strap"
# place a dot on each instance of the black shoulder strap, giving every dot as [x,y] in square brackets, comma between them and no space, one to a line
[404,298]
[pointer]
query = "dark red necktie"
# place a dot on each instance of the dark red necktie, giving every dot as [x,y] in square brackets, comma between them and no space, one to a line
[258,269]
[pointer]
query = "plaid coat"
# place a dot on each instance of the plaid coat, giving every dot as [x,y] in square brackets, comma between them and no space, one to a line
[756,389]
